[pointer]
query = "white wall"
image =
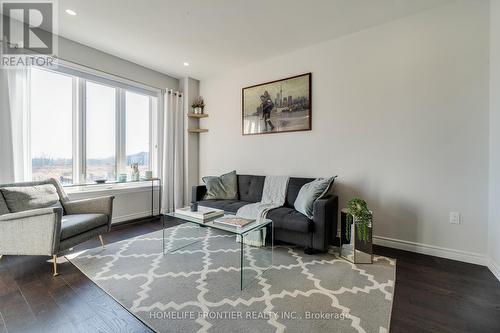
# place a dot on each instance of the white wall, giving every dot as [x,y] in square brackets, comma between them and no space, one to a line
[191,89]
[494,228]
[400,113]
[87,56]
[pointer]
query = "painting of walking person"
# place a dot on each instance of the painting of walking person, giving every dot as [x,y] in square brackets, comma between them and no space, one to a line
[278,106]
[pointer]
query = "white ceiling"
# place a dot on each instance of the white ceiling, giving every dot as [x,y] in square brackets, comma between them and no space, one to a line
[216,35]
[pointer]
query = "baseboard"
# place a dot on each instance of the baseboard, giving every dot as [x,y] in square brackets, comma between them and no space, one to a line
[128,217]
[437,251]
[494,268]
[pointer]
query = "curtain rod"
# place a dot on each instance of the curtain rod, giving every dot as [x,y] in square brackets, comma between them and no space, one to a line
[119,76]
[175,93]
[108,73]
[124,78]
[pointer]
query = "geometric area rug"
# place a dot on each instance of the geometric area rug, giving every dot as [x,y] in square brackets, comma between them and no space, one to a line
[197,288]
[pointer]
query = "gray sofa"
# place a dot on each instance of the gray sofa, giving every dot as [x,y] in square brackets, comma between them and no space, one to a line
[49,230]
[290,226]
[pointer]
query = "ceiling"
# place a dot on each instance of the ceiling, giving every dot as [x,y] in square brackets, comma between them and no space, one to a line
[216,35]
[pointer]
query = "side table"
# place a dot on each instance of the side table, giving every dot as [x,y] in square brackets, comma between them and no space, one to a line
[352,248]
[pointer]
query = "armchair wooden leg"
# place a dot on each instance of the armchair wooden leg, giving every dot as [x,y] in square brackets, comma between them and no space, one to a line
[54,263]
[102,240]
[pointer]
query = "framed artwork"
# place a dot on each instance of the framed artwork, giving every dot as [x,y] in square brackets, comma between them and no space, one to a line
[277,106]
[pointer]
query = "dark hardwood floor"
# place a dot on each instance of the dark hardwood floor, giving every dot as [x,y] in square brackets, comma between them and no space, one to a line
[431,295]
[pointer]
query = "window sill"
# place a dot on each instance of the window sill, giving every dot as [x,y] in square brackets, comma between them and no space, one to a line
[110,189]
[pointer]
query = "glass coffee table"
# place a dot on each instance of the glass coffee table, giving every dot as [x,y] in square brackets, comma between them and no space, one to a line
[254,261]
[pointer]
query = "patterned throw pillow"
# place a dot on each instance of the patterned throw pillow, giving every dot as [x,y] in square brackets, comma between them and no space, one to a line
[223,187]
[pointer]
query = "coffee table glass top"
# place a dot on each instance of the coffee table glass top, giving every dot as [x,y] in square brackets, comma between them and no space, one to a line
[254,260]
[257,224]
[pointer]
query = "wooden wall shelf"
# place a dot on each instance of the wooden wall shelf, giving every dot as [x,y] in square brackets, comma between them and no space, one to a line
[197,130]
[197,115]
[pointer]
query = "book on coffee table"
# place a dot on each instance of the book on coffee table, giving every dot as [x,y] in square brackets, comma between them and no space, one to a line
[233,221]
[203,213]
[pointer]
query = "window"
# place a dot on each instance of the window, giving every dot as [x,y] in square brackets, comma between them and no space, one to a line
[84,127]
[138,121]
[100,135]
[51,100]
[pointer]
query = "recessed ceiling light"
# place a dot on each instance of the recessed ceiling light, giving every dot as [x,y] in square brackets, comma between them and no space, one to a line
[186,64]
[70,12]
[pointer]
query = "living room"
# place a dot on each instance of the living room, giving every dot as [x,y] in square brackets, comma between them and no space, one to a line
[215,166]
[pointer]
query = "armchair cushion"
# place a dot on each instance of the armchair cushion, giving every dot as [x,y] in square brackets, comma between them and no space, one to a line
[3,205]
[22,198]
[73,225]
[101,205]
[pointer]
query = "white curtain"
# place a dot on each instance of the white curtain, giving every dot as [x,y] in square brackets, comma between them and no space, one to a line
[13,125]
[173,152]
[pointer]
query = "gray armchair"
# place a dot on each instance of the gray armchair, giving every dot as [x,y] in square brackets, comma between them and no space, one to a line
[37,218]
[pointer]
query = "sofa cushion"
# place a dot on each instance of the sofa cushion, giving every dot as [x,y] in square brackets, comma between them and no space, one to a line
[309,193]
[250,187]
[3,205]
[223,187]
[294,186]
[226,205]
[76,224]
[21,198]
[289,219]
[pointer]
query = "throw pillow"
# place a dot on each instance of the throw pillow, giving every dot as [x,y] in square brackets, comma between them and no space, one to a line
[223,187]
[309,193]
[23,198]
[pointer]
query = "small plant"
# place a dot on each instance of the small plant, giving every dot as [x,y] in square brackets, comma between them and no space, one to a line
[358,212]
[198,103]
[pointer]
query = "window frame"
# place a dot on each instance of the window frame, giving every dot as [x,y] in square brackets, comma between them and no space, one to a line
[123,130]
[80,76]
[28,124]
[83,111]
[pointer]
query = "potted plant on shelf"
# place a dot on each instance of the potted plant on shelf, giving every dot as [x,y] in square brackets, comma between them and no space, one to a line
[359,214]
[198,105]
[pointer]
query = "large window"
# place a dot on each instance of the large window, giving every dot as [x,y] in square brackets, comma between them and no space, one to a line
[138,122]
[51,100]
[100,135]
[85,128]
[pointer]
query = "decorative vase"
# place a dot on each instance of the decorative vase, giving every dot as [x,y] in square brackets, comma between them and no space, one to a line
[354,248]
[134,172]
[198,110]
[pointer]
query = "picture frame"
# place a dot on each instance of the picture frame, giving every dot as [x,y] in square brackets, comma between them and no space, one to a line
[278,106]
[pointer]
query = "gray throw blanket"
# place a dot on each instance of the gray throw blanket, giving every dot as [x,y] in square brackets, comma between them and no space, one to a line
[273,196]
